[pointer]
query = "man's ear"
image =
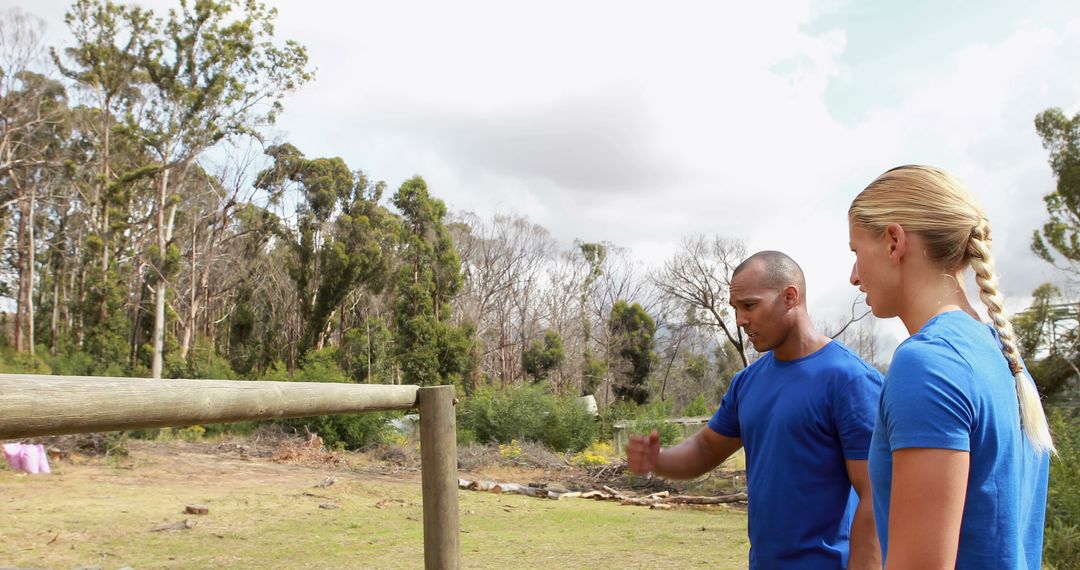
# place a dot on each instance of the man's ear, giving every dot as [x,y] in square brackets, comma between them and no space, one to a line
[791,296]
[896,242]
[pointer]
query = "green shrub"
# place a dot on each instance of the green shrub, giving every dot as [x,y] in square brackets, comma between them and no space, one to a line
[15,363]
[505,415]
[340,431]
[237,428]
[465,437]
[652,418]
[202,361]
[1061,543]
[616,412]
[697,407]
[76,363]
[526,413]
[569,426]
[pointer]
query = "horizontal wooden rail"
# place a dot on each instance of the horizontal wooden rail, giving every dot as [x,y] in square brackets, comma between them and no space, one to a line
[33,405]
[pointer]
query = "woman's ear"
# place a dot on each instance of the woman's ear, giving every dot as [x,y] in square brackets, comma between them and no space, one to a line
[896,242]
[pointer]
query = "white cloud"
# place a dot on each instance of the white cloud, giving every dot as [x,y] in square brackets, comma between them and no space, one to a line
[642,122]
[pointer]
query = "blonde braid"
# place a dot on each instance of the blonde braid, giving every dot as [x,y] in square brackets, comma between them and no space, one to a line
[1032,415]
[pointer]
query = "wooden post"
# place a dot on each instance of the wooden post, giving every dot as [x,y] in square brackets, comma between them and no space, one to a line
[439,477]
[51,405]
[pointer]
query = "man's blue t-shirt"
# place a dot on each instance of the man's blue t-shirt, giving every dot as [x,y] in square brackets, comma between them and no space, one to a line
[949,387]
[799,421]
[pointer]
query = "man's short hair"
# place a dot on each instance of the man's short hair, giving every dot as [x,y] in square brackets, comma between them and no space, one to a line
[780,270]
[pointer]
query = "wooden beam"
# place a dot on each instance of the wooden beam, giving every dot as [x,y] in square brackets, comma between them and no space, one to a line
[439,478]
[33,405]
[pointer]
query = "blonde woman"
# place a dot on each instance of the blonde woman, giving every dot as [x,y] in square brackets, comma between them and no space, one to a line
[959,456]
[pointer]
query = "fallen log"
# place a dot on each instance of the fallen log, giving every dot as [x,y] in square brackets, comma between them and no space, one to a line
[514,488]
[483,486]
[682,500]
[662,500]
[615,495]
[689,500]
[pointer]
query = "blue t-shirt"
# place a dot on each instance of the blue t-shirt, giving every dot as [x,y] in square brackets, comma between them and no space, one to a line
[949,387]
[799,421]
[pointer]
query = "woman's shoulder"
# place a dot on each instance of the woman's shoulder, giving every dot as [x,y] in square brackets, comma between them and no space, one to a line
[926,354]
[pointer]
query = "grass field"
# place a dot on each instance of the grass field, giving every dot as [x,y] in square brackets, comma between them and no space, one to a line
[100,513]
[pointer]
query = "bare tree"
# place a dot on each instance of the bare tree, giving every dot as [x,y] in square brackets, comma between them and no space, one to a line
[857,332]
[32,111]
[699,275]
[503,261]
[858,313]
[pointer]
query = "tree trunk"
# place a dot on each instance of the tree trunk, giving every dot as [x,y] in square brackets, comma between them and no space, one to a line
[164,234]
[54,321]
[30,272]
[193,298]
[136,319]
[106,176]
[20,296]
[80,293]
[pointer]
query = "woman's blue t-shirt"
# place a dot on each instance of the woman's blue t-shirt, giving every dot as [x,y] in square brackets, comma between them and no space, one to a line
[800,421]
[949,387]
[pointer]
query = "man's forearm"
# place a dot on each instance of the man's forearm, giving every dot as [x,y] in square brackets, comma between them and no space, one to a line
[684,461]
[865,549]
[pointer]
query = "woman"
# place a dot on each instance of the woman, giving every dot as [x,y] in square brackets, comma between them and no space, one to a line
[960,454]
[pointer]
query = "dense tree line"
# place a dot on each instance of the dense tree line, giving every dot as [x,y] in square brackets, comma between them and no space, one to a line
[151,229]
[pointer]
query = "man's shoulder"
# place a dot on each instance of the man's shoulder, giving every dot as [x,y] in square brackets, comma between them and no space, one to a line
[756,366]
[844,361]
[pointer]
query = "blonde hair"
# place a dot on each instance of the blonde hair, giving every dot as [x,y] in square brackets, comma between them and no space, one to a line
[930,202]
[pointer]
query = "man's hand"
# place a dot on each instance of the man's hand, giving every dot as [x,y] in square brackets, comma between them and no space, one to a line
[643,453]
[698,454]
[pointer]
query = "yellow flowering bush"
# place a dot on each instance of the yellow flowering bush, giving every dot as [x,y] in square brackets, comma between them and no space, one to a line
[510,450]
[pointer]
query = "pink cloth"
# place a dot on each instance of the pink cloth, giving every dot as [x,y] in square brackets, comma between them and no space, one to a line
[27,457]
[13,454]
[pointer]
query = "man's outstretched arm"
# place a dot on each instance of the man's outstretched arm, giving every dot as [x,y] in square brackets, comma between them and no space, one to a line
[695,456]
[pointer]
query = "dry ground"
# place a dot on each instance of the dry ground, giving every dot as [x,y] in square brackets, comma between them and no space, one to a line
[267,511]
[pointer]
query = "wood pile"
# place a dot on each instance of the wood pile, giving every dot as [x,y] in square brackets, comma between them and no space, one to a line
[662,500]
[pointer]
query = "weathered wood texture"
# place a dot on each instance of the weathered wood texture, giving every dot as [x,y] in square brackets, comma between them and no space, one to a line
[32,405]
[439,477]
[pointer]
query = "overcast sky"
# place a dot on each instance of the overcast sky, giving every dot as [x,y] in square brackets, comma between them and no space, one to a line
[639,123]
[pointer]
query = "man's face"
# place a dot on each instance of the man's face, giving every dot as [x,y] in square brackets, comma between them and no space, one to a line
[762,311]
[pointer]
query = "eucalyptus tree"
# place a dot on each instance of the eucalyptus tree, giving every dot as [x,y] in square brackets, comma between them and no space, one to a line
[1059,238]
[430,348]
[342,239]
[213,73]
[104,65]
[632,331]
[33,113]
[543,356]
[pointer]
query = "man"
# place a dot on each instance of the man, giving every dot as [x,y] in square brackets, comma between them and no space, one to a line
[804,412]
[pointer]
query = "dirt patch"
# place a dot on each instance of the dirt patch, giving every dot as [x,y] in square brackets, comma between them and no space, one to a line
[272,451]
[263,507]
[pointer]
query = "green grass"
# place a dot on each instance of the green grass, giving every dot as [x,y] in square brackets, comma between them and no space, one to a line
[100,513]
